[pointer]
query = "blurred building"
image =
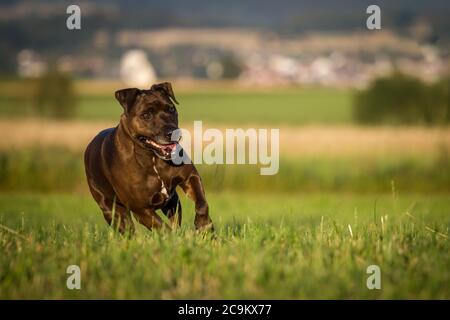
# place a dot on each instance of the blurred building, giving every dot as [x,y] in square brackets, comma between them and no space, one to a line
[284,45]
[29,64]
[349,60]
[136,70]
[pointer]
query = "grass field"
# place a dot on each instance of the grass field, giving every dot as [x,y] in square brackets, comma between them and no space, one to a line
[345,197]
[267,246]
[294,106]
[56,169]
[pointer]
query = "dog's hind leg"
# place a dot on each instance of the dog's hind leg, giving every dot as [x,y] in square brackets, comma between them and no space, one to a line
[119,217]
[115,214]
[150,219]
[173,211]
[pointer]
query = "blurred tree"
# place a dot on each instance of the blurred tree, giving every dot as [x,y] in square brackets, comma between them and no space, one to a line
[231,67]
[401,99]
[439,102]
[55,96]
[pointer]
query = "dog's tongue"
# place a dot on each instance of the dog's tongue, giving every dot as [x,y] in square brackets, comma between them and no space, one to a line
[170,147]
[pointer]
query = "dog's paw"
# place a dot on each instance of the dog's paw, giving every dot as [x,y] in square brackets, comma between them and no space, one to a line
[203,223]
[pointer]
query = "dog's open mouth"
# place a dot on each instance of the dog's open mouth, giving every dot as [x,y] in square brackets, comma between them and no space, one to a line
[164,150]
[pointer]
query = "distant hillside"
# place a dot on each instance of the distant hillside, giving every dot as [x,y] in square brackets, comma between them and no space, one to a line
[40,25]
[287,15]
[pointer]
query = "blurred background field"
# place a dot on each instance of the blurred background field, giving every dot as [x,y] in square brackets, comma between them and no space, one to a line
[322,145]
[364,172]
[222,103]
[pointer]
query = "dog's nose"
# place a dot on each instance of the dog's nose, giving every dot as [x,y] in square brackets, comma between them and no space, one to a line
[171,134]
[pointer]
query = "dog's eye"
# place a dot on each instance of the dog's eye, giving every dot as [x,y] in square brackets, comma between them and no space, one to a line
[146,116]
[171,109]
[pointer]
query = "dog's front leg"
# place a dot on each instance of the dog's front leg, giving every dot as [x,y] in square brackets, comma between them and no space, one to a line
[193,187]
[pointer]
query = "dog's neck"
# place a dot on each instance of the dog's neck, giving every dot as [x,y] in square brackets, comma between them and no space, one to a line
[124,140]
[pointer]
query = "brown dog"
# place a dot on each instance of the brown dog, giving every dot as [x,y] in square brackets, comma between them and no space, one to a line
[129,167]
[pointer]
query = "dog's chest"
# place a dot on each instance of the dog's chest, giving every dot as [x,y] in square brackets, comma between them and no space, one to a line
[161,188]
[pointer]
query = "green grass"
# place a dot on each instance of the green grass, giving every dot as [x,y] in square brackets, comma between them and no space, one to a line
[267,246]
[300,106]
[57,169]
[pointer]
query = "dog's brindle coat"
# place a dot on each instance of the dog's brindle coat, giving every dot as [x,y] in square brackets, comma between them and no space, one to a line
[128,167]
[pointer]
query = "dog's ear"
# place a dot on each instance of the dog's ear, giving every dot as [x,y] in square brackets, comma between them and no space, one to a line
[126,97]
[166,89]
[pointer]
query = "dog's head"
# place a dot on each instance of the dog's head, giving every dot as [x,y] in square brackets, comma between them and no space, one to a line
[151,117]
